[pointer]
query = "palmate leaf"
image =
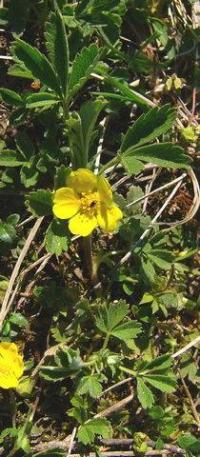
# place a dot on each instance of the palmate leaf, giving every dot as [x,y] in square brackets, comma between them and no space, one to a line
[82,67]
[149,126]
[98,426]
[127,331]
[166,155]
[108,321]
[57,46]
[90,385]
[108,318]
[37,64]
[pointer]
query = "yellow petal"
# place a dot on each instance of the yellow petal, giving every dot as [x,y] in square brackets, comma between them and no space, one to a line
[11,365]
[105,190]
[66,203]
[82,224]
[108,217]
[82,180]
[7,378]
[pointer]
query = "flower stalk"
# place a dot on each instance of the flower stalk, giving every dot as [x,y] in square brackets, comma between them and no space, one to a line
[89,264]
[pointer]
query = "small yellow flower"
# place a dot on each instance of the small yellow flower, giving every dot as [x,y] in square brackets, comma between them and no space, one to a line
[88,202]
[11,365]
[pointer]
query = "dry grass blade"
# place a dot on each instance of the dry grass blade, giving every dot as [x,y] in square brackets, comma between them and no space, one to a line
[6,305]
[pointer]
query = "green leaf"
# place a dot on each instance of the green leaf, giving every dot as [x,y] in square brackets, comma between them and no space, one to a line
[7,233]
[62,173]
[148,127]
[18,319]
[69,359]
[29,173]
[67,362]
[165,155]
[57,46]
[108,317]
[133,194]
[20,71]
[90,385]
[129,94]
[41,100]
[10,159]
[127,331]
[190,443]
[11,97]
[89,113]
[132,165]
[3,17]
[76,140]
[162,258]
[161,363]
[84,64]
[25,146]
[144,394]
[40,202]
[56,239]
[161,382]
[38,64]
[98,426]
[54,373]
[147,270]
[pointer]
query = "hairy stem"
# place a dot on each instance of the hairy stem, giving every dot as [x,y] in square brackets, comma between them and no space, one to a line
[89,264]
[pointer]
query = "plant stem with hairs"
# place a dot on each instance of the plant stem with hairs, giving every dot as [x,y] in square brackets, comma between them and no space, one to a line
[89,264]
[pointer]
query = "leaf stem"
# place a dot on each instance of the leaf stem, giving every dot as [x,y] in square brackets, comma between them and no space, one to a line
[109,164]
[106,341]
[89,264]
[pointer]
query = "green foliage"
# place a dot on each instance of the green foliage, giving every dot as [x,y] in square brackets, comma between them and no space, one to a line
[56,240]
[109,318]
[158,374]
[148,127]
[90,429]
[40,202]
[190,443]
[37,63]
[11,97]
[111,85]
[83,65]
[163,154]
[7,233]
[57,46]
[66,363]
[81,131]
[90,385]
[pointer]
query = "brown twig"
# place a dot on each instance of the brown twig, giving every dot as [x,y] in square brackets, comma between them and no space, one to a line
[116,407]
[118,447]
[189,396]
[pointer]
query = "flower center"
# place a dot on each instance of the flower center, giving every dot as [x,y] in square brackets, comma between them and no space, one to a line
[89,203]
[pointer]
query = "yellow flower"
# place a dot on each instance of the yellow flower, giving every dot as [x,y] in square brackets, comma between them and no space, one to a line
[11,366]
[87,202]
